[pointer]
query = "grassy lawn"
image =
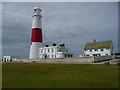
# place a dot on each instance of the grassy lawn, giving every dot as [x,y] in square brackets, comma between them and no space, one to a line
[34,75]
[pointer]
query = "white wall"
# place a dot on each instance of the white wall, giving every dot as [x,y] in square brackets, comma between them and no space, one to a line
[102,53]
[54,52]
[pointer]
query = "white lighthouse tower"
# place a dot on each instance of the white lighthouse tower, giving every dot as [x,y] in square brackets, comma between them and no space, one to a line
[36,37]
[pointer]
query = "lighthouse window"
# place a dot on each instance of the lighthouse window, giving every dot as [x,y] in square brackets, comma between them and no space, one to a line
[34,10]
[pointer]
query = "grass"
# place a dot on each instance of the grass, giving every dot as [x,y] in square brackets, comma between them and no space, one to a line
[34,75]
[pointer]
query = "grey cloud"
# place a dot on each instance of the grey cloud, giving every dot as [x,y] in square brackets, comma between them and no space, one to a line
[71,23]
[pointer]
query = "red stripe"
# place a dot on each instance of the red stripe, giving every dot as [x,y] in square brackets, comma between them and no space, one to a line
[36,35]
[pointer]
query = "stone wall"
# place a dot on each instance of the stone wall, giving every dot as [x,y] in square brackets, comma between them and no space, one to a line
[102,58]
[74,60]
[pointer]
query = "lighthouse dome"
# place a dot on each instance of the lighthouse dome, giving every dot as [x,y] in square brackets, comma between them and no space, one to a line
[36,8]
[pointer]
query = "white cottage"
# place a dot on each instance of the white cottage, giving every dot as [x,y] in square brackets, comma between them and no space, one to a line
[9,58]
[101,48]
[54,52]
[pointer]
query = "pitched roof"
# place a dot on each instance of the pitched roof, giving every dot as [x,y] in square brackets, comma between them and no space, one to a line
[100,44]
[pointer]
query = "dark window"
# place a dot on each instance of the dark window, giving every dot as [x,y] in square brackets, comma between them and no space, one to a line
[41,51]
[52,56]
[60,49]
[95,49]
[52,49]
[68,55]
[107,48]
[34,10]
[65,55]
[48,50]
[94,54]
[90,50]
[45,56]
[101,49]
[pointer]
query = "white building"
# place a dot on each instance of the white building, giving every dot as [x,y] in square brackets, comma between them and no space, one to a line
[54,52]
[9,58]
[101,48]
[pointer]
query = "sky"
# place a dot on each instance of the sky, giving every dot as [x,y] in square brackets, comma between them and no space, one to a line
[72,23]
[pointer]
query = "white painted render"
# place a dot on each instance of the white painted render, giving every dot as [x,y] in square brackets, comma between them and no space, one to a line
[36,21]
[54,52]
[36,18]
[34,47]
[9,58]
[99,52]
[34,50]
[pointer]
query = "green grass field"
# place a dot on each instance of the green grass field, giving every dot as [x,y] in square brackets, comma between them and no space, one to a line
[34,75]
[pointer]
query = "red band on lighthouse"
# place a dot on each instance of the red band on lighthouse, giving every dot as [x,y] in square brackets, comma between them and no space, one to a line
[36,35]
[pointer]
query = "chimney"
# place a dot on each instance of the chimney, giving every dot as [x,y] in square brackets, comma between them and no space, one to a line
[62,45]
[94,40]
[47,45]
[54,44]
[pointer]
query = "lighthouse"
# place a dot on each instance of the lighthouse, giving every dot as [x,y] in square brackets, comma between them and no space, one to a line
[36,36]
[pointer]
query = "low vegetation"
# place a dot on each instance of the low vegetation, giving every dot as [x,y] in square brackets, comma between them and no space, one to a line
[35,75]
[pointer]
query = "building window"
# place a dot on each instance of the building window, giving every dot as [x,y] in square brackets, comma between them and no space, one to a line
[95,49]
[101,49]
[60,50]
[94,54]
[90,50]
[48,50]
[41,51]
[68,55]
[98,54]
[52,49]
[45,50]
[65,55]
[52,56]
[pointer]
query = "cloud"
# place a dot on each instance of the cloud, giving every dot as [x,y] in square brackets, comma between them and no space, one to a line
[74,24]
